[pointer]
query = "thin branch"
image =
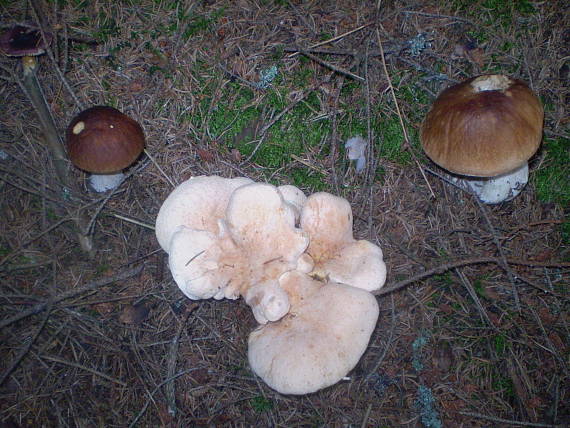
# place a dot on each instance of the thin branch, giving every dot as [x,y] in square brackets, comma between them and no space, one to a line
[27,346]
[87,369]
[71,293]
[334,39]
[155,390]
[459,263]
[171,361]
[404,130]
[388,342]
[509,421]
[333,67]
[502,256]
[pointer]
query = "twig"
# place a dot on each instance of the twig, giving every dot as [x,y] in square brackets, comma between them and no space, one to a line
[364,423]
[27,346]
[309,164]
[508,421]
[302,17]
[437,15]
[502,256]
[132,220]
[87,369]
[53,60]
[459,263]
[334,39]
[467,284]
[155,390]
[331,66]
[278,116]
[171,362]
[155,163]
[404,130]
[388,342]
[71,293]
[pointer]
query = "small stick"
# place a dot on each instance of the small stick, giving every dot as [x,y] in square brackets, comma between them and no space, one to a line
[71,293]
[87,369]
[132,220]
[334,39]
[27,346]
[502,256]
[155,163]
[171,362]
[404,131]
[459,263]
[388,343]
[331,66]
[155,390]
[507,421]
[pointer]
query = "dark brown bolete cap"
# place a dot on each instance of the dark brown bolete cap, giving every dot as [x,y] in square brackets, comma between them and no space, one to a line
[102,140]
[23,40]
[486,126]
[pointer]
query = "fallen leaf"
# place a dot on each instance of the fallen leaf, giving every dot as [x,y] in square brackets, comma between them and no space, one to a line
[134,314]
[443,356]
[136,86]
[236,155]
[205,155]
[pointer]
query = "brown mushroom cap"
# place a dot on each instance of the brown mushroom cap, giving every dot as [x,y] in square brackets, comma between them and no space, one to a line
[24,40]
[103,140]
[485,126]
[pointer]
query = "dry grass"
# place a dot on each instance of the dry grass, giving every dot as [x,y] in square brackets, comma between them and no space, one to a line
[112,342]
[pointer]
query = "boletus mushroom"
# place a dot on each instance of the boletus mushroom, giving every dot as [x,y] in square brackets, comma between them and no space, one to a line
[103,141]
[484,130]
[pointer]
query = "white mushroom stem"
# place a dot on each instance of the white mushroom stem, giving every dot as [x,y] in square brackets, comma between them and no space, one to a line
[103,182]
[494,190]
[268,301]
[356,150]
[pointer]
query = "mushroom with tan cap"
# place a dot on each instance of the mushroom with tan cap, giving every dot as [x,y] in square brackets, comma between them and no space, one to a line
[485,130]
[103,141]
[319,341]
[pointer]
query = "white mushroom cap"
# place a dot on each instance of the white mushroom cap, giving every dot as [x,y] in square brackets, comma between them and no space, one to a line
[255,243]
[201,263]
[268,301]
[294,196]
[319,341]
[263,225]
[336,254]
[359,264]
[197,203]
[328,221]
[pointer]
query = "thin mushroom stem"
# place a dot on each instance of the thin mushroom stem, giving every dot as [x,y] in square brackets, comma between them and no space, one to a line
[36,96]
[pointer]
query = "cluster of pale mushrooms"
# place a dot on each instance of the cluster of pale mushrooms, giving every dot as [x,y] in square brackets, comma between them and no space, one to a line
[295,262]
[293,258]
